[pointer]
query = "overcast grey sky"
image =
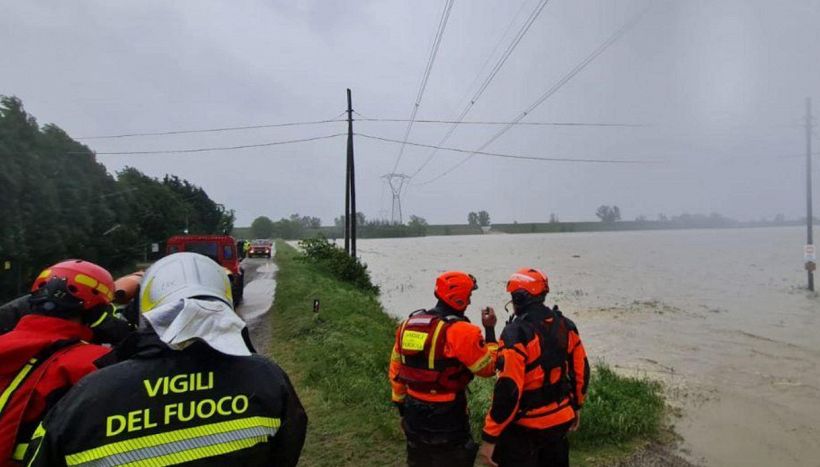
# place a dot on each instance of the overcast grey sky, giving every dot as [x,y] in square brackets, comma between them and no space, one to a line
[720,82]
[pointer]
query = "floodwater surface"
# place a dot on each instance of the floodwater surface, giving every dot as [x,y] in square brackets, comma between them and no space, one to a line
[722,317]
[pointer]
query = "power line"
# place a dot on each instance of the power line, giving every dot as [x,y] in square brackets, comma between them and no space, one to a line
[208,149]
[461,122]
[552,90]
[489,79]
[513,21]
[442,24]
[511,156]
[212,130]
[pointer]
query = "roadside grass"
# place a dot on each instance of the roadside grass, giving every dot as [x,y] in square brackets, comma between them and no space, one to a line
[338,359]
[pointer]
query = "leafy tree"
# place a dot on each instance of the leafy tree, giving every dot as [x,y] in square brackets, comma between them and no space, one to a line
[608,214]
[59,202]
[340,221]
[202,213]
[418,225]
[553,219]
[483,218]
[262,227]
[472,218]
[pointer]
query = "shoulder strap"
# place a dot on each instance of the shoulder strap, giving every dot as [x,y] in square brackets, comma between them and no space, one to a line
[25,372]
[8,438]
[454,318]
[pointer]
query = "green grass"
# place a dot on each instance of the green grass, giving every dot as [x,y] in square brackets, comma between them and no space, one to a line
[338,362]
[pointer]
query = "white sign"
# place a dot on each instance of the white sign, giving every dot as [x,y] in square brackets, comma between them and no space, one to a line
[155,248]
[809,253]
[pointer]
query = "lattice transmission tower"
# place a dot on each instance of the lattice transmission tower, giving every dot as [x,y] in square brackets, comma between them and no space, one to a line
[396,183]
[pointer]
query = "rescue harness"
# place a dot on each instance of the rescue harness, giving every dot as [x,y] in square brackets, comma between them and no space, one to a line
[553,337]
[424,366]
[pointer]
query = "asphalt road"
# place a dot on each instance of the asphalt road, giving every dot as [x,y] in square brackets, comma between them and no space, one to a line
[260,286]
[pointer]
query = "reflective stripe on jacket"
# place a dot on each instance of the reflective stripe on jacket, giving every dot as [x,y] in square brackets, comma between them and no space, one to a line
[463,345]
[162,406]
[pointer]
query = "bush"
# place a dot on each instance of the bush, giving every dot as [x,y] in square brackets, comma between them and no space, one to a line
[333,259]
[619,409]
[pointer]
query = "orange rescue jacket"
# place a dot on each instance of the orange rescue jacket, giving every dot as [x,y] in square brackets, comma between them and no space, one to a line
[435,356]
[543,373]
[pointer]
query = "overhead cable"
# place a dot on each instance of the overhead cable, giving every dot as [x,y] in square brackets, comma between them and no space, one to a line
[489,79]
[461,122]
[213,130]
[209,149]
[552,90]
[445,15]
[511,156]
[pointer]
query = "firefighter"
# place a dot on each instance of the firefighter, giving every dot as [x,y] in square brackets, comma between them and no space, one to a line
[542,381]
[195,393]
[435,356]
[46,353]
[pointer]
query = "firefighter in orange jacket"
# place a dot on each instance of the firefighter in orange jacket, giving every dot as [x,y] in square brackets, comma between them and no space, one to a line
[435,356]
[542,381]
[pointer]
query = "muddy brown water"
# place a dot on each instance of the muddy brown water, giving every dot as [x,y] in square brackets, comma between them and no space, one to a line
[720,316]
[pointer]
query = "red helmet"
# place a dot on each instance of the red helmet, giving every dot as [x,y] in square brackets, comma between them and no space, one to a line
[454,288]
[88,284]
[531,280]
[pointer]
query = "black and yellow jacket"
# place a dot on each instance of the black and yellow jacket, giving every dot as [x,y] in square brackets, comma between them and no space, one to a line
[159,406]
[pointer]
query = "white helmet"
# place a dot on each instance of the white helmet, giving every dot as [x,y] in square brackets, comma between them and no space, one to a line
[183,275]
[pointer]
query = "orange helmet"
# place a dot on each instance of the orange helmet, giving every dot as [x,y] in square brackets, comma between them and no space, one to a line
[74,285]
[454,288]
[531,280]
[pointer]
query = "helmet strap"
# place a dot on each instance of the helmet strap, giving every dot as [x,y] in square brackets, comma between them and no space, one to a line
[521,300]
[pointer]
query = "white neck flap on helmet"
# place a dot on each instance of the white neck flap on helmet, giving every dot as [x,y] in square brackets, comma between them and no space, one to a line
[187,297]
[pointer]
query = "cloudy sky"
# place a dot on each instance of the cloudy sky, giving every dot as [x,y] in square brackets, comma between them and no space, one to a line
[718,85]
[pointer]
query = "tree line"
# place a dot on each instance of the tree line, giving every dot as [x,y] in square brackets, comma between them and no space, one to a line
[58,202]
[299,227]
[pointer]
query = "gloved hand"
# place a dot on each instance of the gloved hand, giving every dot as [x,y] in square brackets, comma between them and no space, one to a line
[107,328]
[488,318]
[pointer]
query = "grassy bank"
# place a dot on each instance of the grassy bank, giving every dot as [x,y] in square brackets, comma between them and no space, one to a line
[338,362]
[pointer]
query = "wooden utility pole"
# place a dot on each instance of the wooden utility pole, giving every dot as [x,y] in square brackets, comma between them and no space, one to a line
[350,185]
[347,178]
[354,219]
[809,216]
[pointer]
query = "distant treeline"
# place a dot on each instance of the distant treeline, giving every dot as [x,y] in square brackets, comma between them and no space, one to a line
[298,227]
[384,229]
[58,202]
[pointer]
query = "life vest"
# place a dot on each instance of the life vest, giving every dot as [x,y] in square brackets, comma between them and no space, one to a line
[424,366]
[553,338]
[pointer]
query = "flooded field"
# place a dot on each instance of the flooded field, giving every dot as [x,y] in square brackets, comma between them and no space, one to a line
[721,316]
